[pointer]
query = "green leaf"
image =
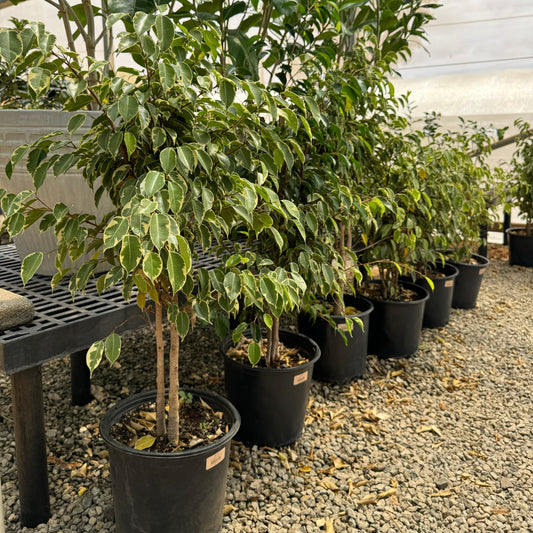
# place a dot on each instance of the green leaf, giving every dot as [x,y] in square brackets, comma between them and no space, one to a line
[76,122]
[227,91]
[177,195]
[237,332]
[267,319]
[153,182]
[167,75]
[182,323]
[130,253]
[254,353]
[30,264]
[185,252]
[186,156]
[64,163]
[142,23]
[131,142]
[112,347]
[159,137]
[94,355]
[128,107]
[38,82]
[164,29]
[15,224]
[10,45]
[205,160]
[177,271]
[159,229]
[168,159]
[145,442]
[115,232]
[152,265]
[232,285]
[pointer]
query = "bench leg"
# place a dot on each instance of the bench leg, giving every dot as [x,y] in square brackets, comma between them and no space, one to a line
[30,446]
[80,379]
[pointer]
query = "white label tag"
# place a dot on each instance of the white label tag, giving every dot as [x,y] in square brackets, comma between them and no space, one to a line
[301,378]
[481,270]
[215,459]
[448,283]
[344,327]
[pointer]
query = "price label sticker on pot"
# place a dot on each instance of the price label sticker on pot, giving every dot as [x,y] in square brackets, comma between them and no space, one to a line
[301,378]
[215,459]
[344,327]
[448,283]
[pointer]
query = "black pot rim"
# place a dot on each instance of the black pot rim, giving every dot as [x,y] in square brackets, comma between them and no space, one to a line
[364,299]
[123,406]
[263,370]
[413,286]
[514,231]
[482,262]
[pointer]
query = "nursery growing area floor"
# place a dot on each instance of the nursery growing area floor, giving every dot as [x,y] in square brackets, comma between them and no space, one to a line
[441,442]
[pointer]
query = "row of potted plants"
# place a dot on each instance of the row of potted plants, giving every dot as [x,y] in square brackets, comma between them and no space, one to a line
[302,187]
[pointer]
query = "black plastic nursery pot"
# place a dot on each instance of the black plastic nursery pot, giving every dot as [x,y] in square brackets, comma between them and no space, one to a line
[395,326]
[177,492]
[271,401]
[520,247]
[339,361]
[439,304]
[468,282]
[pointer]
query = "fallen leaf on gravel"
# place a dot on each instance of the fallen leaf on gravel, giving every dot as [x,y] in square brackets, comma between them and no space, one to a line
[82,491]
[369,428]
[329,526]
[328,484]
[473,453]
[425,429]
[441,494]
[499,511]
[338,462]
[386,494]
[305,469]
[367,500]
[228,509]
[80,472]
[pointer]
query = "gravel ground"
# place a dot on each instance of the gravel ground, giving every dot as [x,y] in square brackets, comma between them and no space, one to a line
[441,442]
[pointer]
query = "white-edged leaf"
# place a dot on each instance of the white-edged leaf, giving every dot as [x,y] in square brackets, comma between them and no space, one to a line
[94,355]
[30,264]
[112,347]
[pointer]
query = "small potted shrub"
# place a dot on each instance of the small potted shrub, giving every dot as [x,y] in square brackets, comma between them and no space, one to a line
[521,192]
[393,173]
[179,158]
[475,192]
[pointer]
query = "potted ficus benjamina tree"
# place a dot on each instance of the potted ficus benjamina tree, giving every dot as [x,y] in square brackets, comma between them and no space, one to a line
[181,160]
[521,192]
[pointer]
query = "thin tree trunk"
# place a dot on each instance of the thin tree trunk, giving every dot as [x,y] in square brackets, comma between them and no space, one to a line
[268,354]
[275,340]
[160,398]
[174,387]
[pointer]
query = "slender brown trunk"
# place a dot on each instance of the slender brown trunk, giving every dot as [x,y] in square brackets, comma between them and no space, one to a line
[174,387]
[268,354]
[337,306]
[160,398]
[275,340]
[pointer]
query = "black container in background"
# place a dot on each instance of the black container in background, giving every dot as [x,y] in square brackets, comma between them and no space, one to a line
[439,304]
[339,362]
[272,402]
[520,248]
[395,326]
[468,282]
[177,492]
